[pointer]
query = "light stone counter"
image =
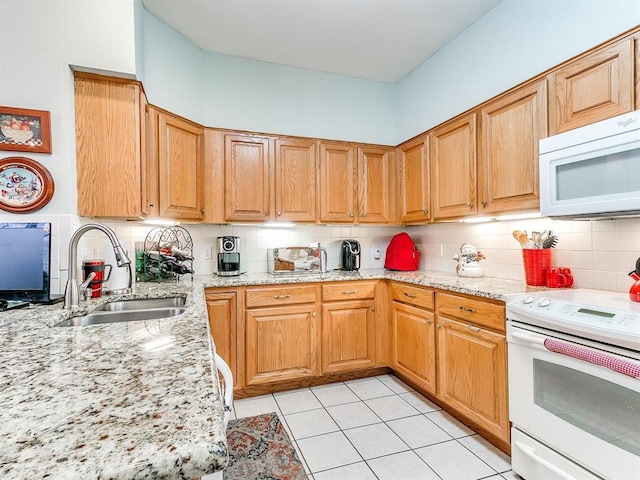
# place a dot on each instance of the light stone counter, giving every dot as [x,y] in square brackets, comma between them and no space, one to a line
[115,401]
[135,400]
[488,287]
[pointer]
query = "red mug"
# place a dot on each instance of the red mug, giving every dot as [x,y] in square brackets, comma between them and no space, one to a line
[559,277]
[98,267]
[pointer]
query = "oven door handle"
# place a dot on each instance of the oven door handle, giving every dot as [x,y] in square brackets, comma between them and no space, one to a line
[530,338]
[531,453]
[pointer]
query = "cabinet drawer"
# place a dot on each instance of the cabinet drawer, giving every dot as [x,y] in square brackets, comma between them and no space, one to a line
[280,295]
[420,297]
[477,312]
[348,291]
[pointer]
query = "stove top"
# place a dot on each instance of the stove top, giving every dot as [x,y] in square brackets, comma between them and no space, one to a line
[608,317]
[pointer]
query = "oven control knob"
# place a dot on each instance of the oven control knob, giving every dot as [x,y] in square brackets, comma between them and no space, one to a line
[528,299]
[544,302]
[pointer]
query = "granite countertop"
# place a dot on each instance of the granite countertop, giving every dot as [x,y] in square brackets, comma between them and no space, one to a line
[487,287]
[114,401]
[136,400]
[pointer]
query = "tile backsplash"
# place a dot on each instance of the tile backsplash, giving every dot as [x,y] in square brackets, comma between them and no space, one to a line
[600,253]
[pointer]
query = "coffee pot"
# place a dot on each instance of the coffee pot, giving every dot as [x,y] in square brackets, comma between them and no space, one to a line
[634,291]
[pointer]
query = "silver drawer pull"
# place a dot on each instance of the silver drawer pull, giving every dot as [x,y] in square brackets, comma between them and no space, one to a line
[279,297]
[410,295]
[473,329]
[465,309]
[428,322]
[349,292]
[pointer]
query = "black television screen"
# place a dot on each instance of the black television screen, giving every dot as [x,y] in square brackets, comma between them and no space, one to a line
[25,249]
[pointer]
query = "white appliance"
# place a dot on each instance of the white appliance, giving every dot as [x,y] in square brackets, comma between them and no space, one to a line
[574,385]
[592,171]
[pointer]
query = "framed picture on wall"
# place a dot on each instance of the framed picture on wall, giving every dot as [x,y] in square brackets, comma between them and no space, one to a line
[25,185]
[23,130]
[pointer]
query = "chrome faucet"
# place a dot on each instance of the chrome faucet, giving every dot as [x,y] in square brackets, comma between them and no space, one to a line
[72,292]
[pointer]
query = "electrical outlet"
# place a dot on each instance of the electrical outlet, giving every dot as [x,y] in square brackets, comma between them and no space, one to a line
[376,252]
[441,250]
[206,253]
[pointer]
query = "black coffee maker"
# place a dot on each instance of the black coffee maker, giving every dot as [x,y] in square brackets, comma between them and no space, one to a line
[350,255]
[228,256]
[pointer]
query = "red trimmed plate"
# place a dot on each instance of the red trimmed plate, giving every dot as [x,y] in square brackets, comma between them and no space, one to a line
[25,185]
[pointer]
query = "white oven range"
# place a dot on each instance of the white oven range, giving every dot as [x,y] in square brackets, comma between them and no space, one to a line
[574,385]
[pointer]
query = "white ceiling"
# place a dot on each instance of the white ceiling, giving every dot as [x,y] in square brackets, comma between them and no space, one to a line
[382,40]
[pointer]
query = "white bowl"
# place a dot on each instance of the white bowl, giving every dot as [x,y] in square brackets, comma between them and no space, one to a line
[18,136]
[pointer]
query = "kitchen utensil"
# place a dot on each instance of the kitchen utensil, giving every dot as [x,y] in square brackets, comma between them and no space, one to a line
[541,237]
[550,241]
[521,237]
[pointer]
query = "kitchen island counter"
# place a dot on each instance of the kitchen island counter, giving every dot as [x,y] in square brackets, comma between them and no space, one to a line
[114,401]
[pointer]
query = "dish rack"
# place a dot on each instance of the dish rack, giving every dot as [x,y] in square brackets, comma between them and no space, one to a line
[167,254]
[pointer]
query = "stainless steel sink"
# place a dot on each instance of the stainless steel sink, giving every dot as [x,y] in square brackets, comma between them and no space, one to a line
[130,311]
[142,304]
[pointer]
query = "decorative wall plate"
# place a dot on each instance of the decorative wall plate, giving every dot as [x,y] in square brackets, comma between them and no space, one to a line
[25,185]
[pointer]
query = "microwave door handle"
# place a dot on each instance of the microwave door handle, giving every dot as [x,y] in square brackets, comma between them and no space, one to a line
[531,453]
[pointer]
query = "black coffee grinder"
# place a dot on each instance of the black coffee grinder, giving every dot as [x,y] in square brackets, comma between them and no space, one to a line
[228,256]
[350,255]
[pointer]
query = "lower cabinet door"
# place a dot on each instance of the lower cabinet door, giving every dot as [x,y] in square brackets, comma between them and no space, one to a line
[348,336]
[414,344]
[221,310]
[472,374]
[280,344]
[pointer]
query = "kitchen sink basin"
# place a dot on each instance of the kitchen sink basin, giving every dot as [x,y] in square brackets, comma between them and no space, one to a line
[142,304]
[130,311]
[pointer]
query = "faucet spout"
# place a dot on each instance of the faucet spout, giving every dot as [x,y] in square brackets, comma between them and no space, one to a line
[72,292]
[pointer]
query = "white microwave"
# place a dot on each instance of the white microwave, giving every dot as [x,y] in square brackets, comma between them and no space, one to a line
[592,171]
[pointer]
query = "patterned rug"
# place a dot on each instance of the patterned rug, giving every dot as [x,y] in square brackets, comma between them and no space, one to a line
[260,449]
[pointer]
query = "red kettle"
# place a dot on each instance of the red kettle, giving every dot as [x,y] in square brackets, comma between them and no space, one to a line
[634,291]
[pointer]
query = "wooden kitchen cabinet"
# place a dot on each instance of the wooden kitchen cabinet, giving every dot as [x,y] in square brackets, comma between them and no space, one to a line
[176,151]
[510,129]
[348,326]
[376,179]
[110,151]
[472,362]
[453,168]
[356,184]
[414,181]
[337,183]
[247,178]
[295,180]
[413,335]
[268,178]
[281,334]
[594,87]
[222,313]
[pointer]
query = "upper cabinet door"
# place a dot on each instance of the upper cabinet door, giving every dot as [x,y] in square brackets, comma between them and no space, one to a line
[337,182]
[110,151]
[453,168]
[375,185]
[593,88]
[414,181]
[295,181]
[247,178]
[180,168]
[511,127]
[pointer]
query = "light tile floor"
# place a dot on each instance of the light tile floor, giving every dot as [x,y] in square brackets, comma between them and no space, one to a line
[378,428]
